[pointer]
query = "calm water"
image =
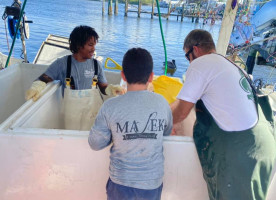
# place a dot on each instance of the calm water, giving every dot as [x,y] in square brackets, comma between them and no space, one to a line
[117,33]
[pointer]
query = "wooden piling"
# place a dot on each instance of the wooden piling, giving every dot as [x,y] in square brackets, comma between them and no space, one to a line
[116,7]
[152,9]
[109,7]
[23,44]
[103,7]
[227,24]
[139,8]
[182,14]
[126,8]
[169,10]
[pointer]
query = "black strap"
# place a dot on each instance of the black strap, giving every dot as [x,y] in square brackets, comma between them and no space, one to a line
[95,67]
[95,78]
[68,72]
[254,91]
[245,75]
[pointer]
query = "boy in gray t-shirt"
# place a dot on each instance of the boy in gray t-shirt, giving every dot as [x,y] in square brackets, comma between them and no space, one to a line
[78,67]
[135,124]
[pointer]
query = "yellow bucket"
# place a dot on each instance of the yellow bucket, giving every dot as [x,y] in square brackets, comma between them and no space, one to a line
[168,87]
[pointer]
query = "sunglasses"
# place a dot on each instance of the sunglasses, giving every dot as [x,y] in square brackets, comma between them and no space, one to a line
[190,51]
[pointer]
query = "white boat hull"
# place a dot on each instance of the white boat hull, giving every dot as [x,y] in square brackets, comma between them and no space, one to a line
[60,166]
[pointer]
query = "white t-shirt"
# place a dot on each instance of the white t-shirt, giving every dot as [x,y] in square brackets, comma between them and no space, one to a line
[224,91]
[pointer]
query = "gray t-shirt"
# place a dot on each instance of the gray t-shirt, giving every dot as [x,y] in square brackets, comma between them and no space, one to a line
[135,123]
[82,72]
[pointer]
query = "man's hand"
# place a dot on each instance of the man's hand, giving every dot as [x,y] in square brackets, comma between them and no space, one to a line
[180,110]
[35,90]
[114,90]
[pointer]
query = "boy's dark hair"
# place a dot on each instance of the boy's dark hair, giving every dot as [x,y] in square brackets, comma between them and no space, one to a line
[80,35]
[199,37]
[137,65]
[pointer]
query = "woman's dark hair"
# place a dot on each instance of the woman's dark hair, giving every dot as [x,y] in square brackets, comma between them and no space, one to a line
[199,37]
[80,35]
[137,65]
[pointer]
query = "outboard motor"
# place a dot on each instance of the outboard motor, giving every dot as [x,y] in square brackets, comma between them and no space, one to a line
[12,13]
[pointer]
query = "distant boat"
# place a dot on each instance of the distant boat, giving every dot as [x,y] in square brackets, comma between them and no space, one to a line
[163,4]
[265,18]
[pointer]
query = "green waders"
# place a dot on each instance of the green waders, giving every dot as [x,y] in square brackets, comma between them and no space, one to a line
[236,165]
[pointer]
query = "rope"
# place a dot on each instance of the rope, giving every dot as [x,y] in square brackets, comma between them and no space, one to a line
[17,28]
[235,50]
[271,73]
[271,56]
[7,35]
[245,47]
[161,29]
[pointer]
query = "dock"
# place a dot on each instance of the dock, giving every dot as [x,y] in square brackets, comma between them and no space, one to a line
[181,11]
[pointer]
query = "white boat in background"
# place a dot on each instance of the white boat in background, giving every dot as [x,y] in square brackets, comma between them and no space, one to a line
[52,48]
[257,32]
[3,60]
[55,47]
[265,18]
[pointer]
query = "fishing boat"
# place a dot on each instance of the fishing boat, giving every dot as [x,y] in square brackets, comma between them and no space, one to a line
[255,34]
[254,40]
[43,160]
[265,28]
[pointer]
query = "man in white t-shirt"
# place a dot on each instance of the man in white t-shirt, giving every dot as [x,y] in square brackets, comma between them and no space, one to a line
[235,149]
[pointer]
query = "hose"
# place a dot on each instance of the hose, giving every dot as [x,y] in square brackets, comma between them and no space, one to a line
[161,30]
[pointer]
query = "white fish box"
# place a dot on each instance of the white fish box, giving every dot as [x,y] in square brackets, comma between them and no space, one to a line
[14,81]
[41,160]
[62,166]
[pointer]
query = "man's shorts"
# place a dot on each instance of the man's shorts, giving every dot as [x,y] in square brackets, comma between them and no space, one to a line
[119,192]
